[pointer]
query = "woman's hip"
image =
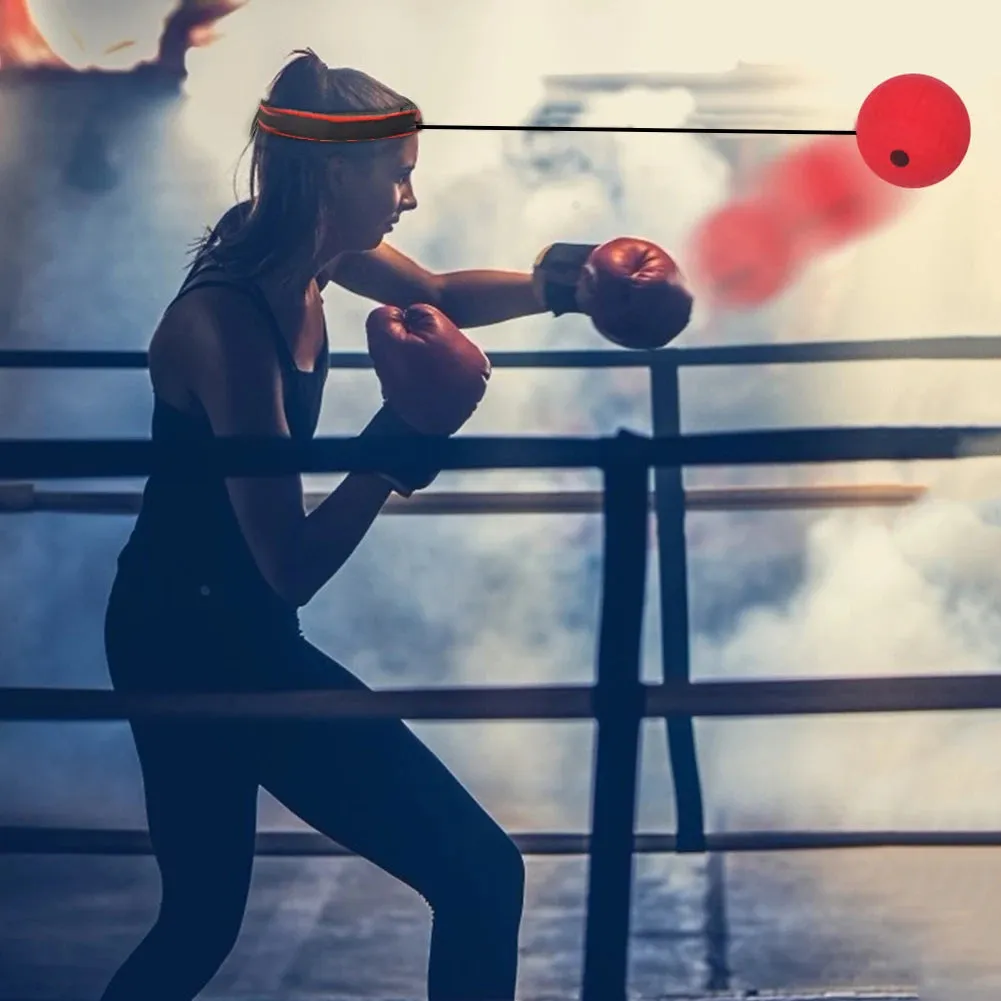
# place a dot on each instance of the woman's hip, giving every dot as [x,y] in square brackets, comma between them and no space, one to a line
[172,635]
[167,635]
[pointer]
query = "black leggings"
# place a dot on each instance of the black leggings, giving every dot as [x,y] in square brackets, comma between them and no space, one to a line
[369,785]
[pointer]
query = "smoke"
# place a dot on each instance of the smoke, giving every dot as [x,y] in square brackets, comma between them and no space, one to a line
[494,600]
[910,594]
[772,595]
[487,600]
[481,600]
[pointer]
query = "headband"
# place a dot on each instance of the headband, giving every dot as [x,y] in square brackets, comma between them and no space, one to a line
[357,127]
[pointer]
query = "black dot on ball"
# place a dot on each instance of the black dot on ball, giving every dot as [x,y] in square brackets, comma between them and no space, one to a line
[899,158]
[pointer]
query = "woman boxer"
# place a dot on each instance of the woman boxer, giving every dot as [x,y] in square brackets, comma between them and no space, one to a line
[210,581]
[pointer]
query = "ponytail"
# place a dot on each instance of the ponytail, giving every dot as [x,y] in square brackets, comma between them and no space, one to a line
[289,208]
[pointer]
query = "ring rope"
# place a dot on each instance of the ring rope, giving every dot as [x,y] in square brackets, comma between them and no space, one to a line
[733,699]
[71,459]
[25,497]
[964,348]
[27,839]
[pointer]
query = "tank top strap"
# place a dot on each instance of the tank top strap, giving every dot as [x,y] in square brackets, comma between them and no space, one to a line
[206,273]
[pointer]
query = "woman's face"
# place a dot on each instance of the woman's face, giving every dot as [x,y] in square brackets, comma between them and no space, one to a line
[372,193]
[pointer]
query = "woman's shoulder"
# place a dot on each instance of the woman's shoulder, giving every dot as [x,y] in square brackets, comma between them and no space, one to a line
[213,322]
[214,292]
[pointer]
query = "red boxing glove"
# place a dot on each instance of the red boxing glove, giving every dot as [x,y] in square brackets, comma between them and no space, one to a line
[632,290]
[432,375]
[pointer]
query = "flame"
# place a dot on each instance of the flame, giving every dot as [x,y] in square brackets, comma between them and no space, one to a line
[21,43]
[191,24]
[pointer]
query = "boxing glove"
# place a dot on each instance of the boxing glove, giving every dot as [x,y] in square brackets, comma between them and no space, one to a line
[632,290]
[432,377]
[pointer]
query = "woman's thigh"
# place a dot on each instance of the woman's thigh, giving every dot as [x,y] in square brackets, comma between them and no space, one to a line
[373,787]
[199,781]
[370,785]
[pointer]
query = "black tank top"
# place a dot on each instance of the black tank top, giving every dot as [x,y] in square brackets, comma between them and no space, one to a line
[187,532]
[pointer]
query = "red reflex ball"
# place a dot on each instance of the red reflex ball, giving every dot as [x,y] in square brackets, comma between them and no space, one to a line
[913,130]
[741,255]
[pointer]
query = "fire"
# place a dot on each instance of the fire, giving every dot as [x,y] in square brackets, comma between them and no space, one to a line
[21,43]
[189,24]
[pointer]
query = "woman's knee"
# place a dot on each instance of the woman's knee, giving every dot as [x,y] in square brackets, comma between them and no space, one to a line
[492,880]
[508,869]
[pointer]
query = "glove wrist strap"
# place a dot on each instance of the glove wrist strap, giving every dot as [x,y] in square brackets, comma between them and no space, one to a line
[555,275]
[406,472]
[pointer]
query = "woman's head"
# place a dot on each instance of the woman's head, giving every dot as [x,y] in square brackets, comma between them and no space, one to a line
[312,200]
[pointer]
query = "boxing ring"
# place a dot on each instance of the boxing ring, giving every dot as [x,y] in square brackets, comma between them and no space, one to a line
[617,700]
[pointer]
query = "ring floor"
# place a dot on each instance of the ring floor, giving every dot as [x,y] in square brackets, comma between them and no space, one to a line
[339,928]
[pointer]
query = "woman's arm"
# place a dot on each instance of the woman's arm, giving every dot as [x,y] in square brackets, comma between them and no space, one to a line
[237,379]
[334,529]
[468,298]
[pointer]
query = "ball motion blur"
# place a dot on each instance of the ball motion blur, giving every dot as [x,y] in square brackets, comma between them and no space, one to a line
[809,201]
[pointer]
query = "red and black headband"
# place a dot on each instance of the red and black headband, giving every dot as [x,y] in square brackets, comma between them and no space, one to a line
[354,127]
